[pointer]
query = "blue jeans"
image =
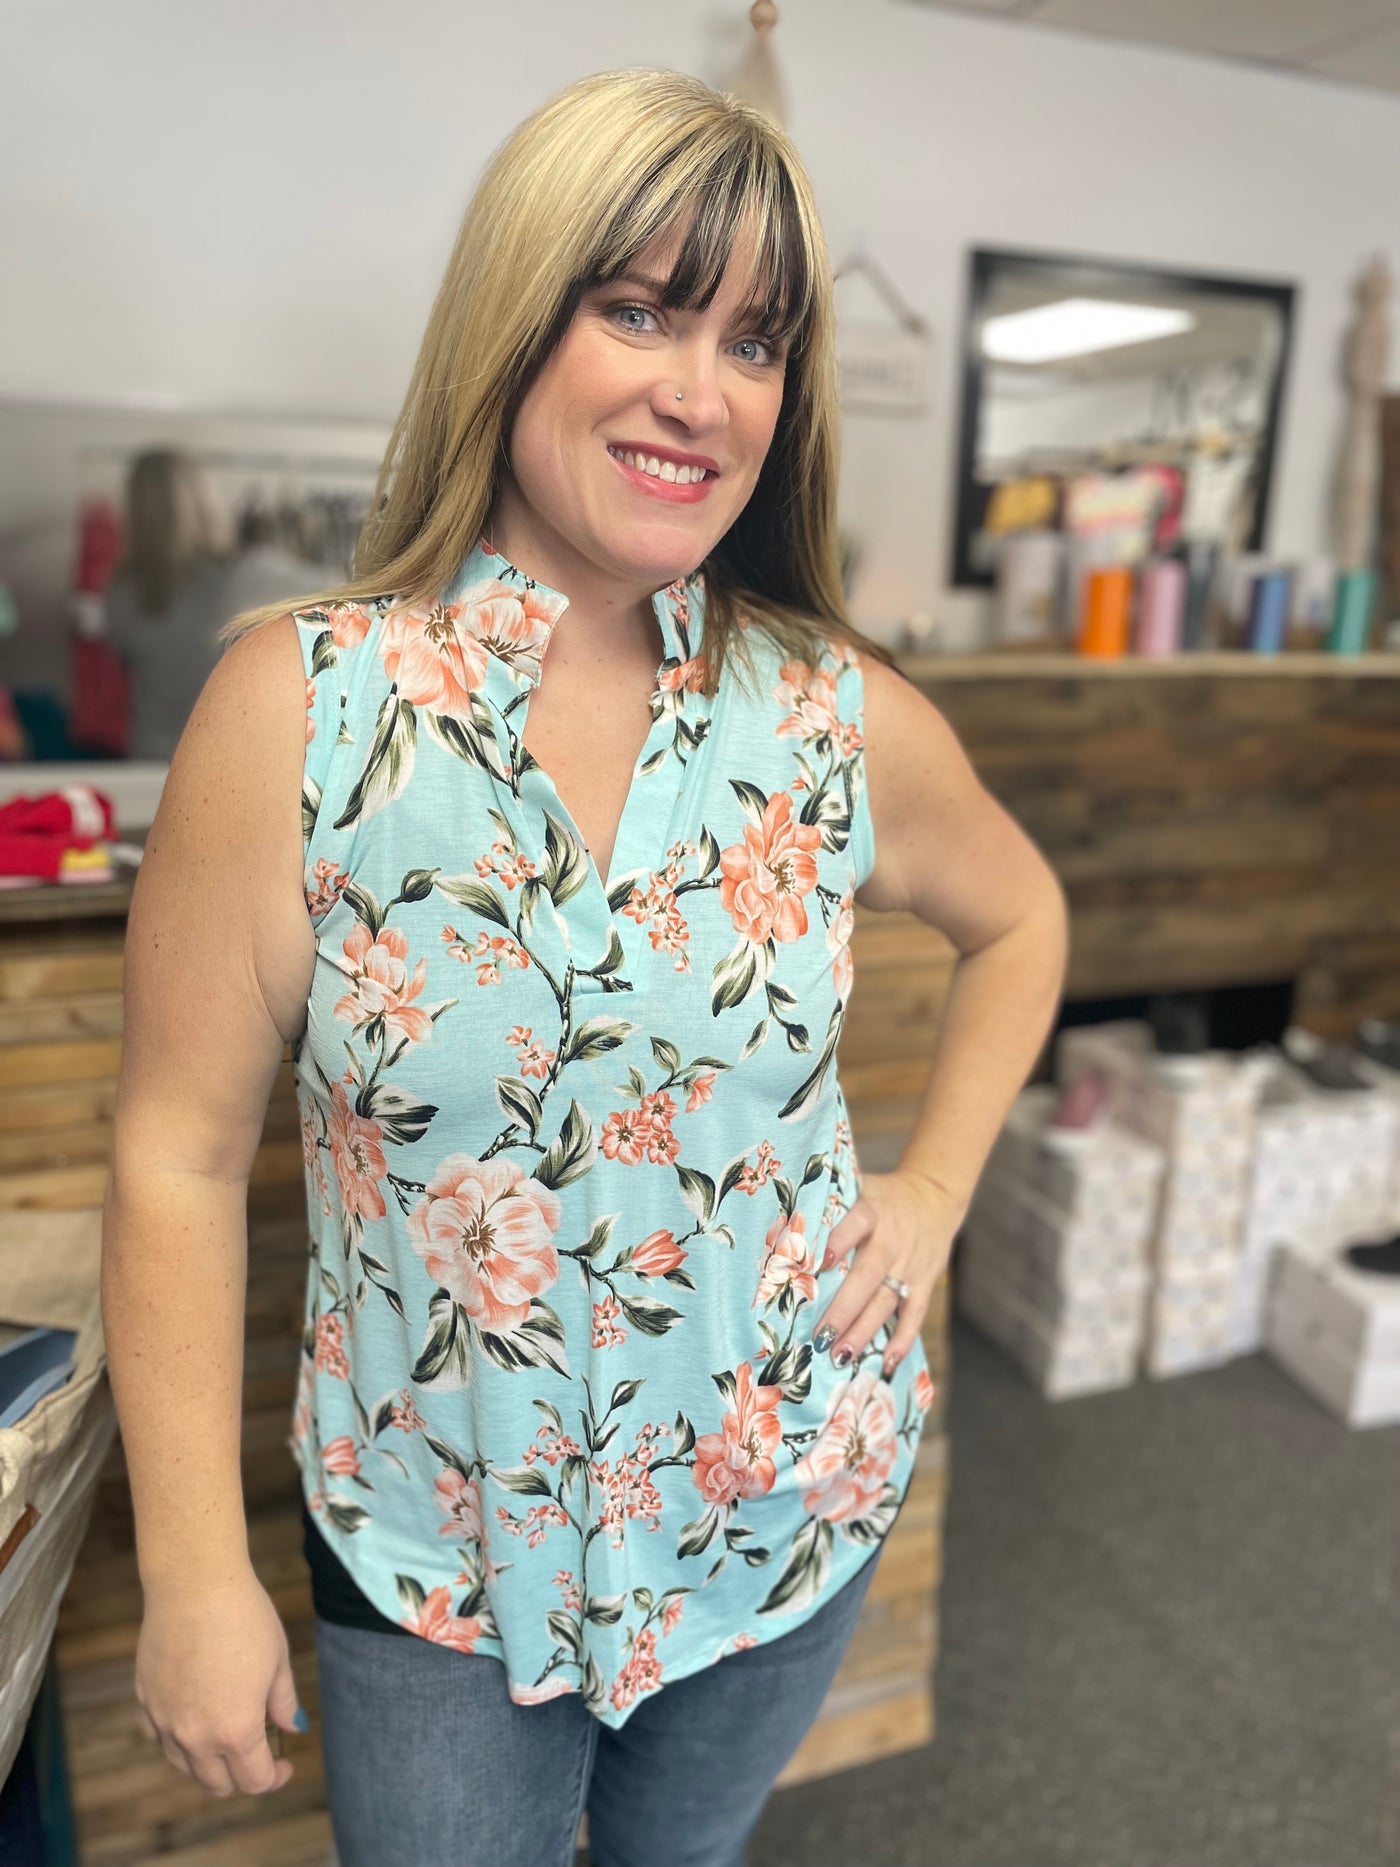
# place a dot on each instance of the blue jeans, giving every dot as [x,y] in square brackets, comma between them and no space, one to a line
[430,1764]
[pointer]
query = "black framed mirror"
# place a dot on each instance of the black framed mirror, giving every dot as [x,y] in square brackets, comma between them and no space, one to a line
[1075,367]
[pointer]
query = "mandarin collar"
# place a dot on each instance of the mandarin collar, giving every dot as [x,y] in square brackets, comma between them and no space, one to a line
[678,607]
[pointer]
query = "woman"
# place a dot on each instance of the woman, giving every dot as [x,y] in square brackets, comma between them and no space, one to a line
[177,585]
[611,1378]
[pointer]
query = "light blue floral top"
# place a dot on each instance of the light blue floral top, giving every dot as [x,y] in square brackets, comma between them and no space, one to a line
[572,1152]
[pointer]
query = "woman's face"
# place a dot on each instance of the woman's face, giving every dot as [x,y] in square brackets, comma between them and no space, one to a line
[610,388]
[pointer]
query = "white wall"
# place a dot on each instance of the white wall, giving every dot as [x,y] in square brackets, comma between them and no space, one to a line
[251,206]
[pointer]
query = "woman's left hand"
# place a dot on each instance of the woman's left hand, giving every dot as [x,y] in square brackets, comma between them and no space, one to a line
[902,1225]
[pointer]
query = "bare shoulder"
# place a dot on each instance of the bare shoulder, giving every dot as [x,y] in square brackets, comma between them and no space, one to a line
[220,947]
[945,848]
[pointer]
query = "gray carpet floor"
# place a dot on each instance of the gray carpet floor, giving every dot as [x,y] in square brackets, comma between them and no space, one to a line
[1171,1638]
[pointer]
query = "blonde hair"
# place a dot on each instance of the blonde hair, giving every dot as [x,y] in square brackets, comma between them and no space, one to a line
[567,202]
[172,525]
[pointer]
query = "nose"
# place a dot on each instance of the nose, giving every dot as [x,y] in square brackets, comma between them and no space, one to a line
[694,371]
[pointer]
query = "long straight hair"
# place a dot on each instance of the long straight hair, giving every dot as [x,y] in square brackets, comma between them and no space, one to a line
[173,525]
[568,202]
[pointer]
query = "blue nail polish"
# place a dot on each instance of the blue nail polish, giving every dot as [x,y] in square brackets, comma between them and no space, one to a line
[301,1721]
[842,1355]
[823,1339]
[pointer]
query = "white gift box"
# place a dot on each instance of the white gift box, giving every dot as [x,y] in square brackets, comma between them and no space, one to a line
[1336,1330]
[1358,1311]
[1253,1279]
[1115,1308]
[1189,1323]
[1063,1366]
[1199,1110]
[1077,1171]
[1324,1164]
[1100,1247]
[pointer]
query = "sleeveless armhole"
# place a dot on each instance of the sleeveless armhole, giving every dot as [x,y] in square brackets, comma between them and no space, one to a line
[321,669]
[852,710]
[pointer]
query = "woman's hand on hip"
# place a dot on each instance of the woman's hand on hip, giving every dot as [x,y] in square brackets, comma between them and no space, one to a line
[902,1225]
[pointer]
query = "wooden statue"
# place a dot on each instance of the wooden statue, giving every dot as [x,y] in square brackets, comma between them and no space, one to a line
[1358,479]
[757,80]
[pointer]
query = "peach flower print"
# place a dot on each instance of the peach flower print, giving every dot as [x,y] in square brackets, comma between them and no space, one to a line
[357,1155]
[701,1091]
[404,1414]
[766,876]
[629,1134]
[339,1456]
[380,986]
[657,1254]
[436,1621]
[310,702]
[812,698]
[847,1464]
[737,1461]
[324,885]
[924,1390]
[330,1348]
[788,1262]
[490,953]
[486,1234]
[752,1178]
[553,1687]
[642,1673]
[460,1498]
[438,657]
[686,677]
[838,940]
[606,1333]
[349,623]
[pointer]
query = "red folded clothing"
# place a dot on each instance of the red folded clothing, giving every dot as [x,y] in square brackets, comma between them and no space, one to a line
[57,835]
[77,811]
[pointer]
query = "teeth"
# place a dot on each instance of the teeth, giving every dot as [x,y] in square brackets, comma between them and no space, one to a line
[660,469]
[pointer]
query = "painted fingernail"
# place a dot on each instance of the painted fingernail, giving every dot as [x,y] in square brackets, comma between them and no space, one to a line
[842,1355]
[824,1339]
[301,1721]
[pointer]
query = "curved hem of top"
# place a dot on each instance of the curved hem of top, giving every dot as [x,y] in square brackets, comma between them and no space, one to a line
[677,1669]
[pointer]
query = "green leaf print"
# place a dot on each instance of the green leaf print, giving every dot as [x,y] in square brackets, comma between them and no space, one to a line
[804,1572]
[389,764]
[480,897]
[571,1153]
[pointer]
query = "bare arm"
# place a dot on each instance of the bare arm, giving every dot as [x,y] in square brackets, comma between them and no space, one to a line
[946,850]
[217,967]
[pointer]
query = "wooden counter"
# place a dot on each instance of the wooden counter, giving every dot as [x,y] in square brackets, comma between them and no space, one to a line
[60,1034]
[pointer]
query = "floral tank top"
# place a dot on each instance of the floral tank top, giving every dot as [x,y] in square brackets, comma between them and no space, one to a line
[572,1150]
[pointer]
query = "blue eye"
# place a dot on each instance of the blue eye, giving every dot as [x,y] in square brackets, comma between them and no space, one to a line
[767,344]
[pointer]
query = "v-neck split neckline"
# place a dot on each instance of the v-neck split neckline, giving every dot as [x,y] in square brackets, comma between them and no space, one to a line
[606,944]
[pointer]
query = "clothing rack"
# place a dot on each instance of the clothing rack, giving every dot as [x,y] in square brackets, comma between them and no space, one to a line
[319,523]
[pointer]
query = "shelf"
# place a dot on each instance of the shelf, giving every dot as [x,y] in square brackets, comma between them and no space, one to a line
[1050,664]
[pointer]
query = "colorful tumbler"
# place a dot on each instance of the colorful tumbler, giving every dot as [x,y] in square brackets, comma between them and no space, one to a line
[1350,633]
[1103,625]
[1161,601]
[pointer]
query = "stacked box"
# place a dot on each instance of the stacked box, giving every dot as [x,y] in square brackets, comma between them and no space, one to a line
[1387,1082]
[1199,1111]
[1053,1260]
[1324,1167]
[1336,1329]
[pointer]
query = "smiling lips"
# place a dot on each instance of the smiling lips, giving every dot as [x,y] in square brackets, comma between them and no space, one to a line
[663,478]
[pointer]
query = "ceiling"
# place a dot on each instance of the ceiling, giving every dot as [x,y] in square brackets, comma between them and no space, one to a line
[1354,41]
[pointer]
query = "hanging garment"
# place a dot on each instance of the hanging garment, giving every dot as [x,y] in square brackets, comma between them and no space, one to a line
[573,1149]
